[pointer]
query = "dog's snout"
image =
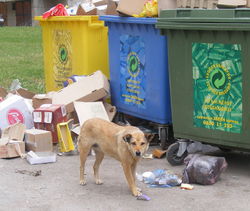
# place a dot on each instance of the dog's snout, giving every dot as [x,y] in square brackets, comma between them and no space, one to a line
[138,153]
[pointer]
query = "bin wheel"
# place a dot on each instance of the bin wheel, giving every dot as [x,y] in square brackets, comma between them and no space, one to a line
[163,139]
[172,157]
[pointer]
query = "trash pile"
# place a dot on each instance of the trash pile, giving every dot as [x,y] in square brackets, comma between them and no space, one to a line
[141,8]
[34,122]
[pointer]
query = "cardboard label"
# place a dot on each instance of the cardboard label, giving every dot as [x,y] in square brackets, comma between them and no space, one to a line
[15,116]
[47,117]
[132,71]
[37,116]
[62,56]
[217,84]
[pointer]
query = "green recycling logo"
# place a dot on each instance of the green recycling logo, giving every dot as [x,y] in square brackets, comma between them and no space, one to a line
[218,79]
[133,64]
[63,54]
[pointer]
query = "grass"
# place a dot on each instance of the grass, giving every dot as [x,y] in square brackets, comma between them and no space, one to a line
[21,57]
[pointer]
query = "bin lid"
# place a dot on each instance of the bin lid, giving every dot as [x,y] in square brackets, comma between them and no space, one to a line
[118,19]
[200,19]
[68,18]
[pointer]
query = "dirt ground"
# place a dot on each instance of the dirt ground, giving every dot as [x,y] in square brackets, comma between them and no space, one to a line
[57,188]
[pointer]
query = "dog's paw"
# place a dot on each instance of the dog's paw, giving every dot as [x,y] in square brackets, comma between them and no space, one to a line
[136,193]
[138,189]
[82,182]
[98,182]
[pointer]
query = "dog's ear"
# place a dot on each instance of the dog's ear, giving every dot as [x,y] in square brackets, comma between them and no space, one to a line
[149,136]
[127,138]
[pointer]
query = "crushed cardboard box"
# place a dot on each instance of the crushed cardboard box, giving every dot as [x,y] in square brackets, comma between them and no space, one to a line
[3,93]
[38,140]
[41,157]
[130,7]
[11,142]
[15,109]
[87,89]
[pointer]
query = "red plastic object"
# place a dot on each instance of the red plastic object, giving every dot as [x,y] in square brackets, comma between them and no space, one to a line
[58,10]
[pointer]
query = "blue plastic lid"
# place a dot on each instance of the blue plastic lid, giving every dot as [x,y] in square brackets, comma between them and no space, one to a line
[118,19]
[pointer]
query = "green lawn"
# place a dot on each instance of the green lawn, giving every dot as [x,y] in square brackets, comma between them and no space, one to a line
[21,57]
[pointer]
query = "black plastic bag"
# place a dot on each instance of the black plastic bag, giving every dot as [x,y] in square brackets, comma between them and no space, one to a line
[203,169]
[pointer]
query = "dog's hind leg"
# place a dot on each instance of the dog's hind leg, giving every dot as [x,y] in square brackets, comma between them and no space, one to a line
[99,155]
[84,151]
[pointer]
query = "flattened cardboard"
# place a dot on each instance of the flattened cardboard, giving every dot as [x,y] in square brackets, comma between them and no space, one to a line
[86,9]
[24,93]
[111,8]
[88,110]
[232,3]
[38,140]
[11,142]
[130,7]
[87,89]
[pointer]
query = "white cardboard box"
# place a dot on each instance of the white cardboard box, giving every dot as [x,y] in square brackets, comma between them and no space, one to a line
[41,157]
[87,89]
[15,109]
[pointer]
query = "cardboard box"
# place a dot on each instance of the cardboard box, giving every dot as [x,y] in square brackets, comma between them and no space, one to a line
[111,8]
[15,109]
[87,89]
[98,3]
[206,4]
[232,3]
[40,99]
[111,110]
[11,142]
[166,5]
[86,9]
[41,157]
[88,110]
[48,116]
[3,93]
[130,7]
[101,10]
[24,93]
[38,140]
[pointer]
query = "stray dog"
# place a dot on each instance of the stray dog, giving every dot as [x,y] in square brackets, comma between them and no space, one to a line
[126,144]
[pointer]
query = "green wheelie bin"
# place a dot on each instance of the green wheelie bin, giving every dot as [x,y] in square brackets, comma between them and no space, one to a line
[209,67]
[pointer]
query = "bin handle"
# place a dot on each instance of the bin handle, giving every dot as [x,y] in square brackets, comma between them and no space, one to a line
[96,25]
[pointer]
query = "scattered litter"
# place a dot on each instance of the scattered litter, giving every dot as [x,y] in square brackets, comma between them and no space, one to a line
[203,169]
[143,197]
[159,178]
[148,156]
[16,84]
[31,173]
[157,153]
[185,186]
[41,157]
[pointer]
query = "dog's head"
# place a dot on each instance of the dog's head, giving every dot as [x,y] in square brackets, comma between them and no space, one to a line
[138,142]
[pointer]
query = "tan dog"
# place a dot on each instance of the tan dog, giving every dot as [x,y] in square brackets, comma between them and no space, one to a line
[124,143]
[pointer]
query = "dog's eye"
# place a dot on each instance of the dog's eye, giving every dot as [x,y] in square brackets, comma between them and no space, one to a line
[133,143]
[142,143]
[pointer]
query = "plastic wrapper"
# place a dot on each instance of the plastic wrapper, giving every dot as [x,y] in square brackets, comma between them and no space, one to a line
[58,10]
[150,9]
[159,178]
[203,169]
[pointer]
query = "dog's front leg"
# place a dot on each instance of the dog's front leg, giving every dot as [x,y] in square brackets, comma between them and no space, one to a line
[133,167]
[130,178]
